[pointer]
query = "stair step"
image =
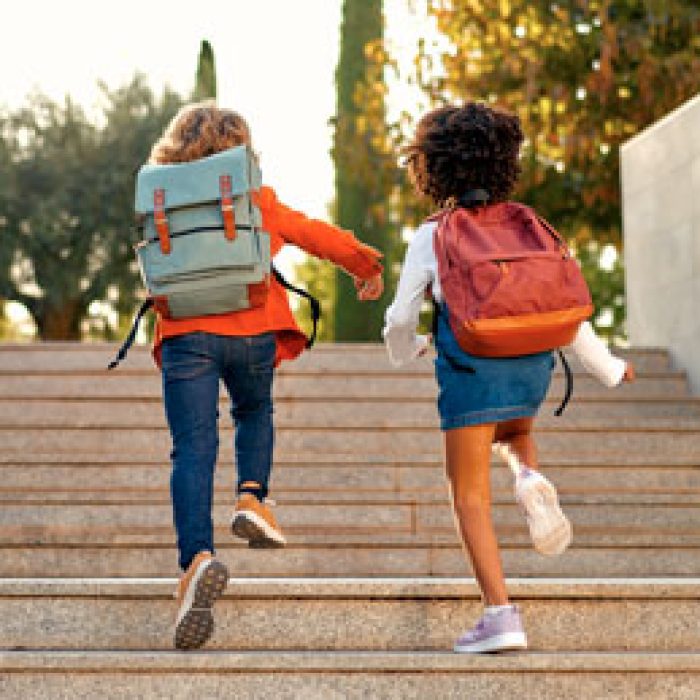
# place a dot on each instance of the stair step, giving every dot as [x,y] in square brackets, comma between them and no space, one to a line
[322,385]
[371,357]
[598,522]
[99,413]
[338,559]
[319,482]
[372,614]
[323,675]
[600,525]
[604,445]
[93,415]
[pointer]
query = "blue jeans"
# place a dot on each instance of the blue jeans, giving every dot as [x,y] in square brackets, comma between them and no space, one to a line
[192,365]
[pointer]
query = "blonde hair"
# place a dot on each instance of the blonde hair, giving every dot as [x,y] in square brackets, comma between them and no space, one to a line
[199,130]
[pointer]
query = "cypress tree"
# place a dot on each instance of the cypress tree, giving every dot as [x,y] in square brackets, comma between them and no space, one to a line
[360,204]
[205,80]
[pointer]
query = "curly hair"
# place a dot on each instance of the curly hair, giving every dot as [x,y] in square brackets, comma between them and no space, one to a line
[456,149]
[199,130]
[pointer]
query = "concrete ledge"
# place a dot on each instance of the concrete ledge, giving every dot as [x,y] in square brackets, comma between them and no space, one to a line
[360,588]
[345,662]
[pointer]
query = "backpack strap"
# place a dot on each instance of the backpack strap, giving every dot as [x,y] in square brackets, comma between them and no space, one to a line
[315,304]
[473,198]
[129,341]
[569,383]
[132,334]
[160,219]
[227,207]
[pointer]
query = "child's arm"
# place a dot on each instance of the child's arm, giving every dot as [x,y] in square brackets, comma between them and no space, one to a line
[402,342]
[322,239]
[598,360]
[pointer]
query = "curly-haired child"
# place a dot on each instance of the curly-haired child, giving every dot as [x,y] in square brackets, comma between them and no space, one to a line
[462,157]
[242,349]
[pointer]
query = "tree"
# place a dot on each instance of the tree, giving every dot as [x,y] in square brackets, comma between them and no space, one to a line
[584,76]
[67,203]
[365,168]
[205,79]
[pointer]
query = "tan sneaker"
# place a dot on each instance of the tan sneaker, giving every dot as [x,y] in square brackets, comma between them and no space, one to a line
[254,521]
[200,586]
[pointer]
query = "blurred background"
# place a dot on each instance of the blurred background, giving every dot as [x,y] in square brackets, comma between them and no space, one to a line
[332,90]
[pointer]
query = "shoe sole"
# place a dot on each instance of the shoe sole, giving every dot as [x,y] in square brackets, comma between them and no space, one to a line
[260,535]
[197,624]
[550,529]
[509,641]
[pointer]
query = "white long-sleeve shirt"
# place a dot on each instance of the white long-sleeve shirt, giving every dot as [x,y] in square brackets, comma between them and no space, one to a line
[420,270]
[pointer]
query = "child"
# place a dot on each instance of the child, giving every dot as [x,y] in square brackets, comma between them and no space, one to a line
[242,348]
[482,400]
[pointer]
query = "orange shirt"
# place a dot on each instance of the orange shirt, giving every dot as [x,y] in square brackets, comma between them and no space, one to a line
[284,225]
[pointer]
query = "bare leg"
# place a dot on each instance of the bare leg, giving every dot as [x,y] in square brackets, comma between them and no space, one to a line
[468,456]
[517,434]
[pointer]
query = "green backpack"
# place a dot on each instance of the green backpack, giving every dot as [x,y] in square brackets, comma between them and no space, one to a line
[202,249]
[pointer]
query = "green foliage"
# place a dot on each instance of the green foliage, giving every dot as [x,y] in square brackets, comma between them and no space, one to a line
[607,289]
[318,278]
[205,79]
[584,76]
[67,203]
[365,167]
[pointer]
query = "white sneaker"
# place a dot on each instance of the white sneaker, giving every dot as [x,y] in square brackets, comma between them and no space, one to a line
[550,529]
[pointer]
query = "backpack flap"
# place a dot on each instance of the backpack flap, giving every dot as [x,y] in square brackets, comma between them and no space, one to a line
[207,217]
[185,184]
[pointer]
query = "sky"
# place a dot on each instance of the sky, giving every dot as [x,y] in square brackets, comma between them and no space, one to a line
[275,63]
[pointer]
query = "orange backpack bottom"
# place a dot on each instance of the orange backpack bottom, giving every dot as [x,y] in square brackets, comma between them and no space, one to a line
[511,336]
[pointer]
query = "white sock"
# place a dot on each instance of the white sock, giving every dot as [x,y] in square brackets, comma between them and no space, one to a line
[495,609]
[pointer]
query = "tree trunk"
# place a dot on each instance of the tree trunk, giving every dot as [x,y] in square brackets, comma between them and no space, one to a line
[60,323]
[362,23]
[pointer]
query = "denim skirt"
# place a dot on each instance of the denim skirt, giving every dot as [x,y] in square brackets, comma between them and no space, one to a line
[475,390]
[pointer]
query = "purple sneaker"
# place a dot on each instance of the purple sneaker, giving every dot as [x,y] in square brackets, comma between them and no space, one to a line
[500,631]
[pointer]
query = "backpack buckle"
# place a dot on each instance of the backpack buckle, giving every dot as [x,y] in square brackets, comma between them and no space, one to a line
[227,211]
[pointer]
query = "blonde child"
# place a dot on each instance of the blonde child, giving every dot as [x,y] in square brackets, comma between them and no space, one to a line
[242,349]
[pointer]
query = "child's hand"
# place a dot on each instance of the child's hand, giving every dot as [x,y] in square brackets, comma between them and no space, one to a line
[630,375]
[371,289]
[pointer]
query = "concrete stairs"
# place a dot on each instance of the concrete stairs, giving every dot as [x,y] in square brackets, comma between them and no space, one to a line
[373,589]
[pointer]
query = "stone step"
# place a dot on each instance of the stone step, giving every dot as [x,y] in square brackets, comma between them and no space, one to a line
[563,458]
[347,675]
[72,413]
[331,499]
[339,559]
[322,385]
[149,413]
[339,482]
[351,614]
[49,357]
[665,444]
[600,523]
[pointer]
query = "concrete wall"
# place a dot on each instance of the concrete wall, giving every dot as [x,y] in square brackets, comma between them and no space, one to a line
[661,221]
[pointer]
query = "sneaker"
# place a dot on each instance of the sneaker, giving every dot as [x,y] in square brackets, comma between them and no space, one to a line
[200,586]
[498,631]
[550,529]
[254,521]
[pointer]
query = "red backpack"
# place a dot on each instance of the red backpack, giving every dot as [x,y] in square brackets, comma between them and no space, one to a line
[511,285]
